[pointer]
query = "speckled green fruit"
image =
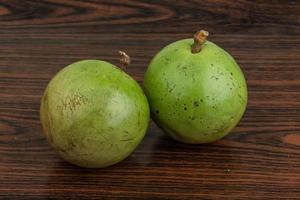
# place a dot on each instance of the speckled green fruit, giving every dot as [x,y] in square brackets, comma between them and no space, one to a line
[195,97]
[94,114]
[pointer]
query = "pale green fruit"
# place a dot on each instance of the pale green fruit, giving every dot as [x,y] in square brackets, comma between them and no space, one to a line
[94,114]
[195,97]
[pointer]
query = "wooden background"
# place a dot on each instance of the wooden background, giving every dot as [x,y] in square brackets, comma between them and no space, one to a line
[259,160]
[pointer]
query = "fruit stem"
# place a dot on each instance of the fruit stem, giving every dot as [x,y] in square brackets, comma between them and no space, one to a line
[199,40]
[124,59]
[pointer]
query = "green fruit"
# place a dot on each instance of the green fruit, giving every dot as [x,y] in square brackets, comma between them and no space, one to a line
[197,92]
[94,114]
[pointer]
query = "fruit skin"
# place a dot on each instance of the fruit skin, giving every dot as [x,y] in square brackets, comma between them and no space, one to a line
[93,114]
[195,98]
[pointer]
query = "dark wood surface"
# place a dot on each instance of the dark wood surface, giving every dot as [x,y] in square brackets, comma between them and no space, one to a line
[260,159]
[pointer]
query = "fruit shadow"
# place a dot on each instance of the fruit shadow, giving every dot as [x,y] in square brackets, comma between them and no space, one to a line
[159,150]
[158,154]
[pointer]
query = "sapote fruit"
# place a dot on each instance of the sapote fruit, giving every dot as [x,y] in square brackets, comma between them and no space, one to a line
[196,91]
[94,114]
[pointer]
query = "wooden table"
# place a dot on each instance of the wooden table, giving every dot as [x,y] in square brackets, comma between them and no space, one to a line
[259,160]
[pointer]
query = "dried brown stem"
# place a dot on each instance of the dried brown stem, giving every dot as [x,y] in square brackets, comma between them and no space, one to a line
[124,59]
[199,40]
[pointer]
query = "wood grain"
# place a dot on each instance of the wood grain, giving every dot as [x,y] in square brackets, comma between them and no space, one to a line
[259,160]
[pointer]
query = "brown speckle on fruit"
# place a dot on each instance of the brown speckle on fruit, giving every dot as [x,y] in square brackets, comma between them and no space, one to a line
[214,77]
